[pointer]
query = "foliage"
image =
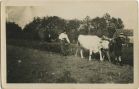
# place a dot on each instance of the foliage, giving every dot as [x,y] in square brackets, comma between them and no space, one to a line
[72,29]
[106,25]
[46,28]
[13,30]
[49,27]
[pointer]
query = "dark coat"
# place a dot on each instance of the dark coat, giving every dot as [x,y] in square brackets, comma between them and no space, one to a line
[116,46]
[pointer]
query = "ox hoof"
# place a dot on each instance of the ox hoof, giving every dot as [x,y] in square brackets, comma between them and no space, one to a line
[101,60]
[90,60]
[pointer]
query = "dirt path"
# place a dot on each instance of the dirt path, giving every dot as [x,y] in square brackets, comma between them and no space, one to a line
[32,65]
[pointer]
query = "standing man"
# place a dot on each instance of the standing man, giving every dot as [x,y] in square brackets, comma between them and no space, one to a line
[119,42]
[64,42]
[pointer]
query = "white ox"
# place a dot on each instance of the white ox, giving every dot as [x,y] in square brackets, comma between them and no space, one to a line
[93,44]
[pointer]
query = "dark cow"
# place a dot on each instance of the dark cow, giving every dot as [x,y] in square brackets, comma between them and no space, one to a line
[115,47]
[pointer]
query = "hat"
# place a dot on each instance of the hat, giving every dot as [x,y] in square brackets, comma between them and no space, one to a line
[121,35]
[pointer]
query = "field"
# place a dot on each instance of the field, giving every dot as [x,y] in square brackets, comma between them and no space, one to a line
[34,62]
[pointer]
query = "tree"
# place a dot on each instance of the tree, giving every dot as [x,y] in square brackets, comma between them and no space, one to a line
[107,17]
[72,29]
[115,24]
[120,24]
[13,30]
[30,31]
[87,24]
[106,25]
[54,25]
[46,28]
[99,25]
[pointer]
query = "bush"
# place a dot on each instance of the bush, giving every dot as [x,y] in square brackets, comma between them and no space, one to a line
[127,55]
[46,46]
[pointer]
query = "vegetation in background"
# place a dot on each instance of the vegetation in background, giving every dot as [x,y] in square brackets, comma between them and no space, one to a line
[48,28]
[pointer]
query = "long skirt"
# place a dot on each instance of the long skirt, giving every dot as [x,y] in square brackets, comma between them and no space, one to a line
[64,47]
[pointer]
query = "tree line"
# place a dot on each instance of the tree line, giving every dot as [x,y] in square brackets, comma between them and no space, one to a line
[48,28]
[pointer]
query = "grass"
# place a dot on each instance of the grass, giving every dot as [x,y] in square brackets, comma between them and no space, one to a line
[37,65]
[127,55]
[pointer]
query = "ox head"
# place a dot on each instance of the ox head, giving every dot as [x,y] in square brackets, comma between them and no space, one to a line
[104,43]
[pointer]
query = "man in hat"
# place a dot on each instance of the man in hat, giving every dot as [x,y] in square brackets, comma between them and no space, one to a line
[64,42]
[119,41]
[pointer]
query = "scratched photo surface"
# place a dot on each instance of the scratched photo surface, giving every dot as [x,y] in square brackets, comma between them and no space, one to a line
[70,43]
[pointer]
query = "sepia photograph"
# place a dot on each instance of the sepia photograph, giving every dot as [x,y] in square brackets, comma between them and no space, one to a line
[71,42]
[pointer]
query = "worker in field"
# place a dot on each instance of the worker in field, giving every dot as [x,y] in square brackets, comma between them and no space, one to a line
[118,47]
[64,42]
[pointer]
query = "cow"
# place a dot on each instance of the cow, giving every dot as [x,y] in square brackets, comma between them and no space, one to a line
[116,46]
[92,43]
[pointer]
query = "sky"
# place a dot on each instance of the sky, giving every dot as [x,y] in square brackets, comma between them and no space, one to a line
[22,15]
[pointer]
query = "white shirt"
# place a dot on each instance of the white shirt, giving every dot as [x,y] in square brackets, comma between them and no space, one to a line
[62,36]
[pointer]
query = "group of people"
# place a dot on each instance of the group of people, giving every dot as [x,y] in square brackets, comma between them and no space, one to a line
[115,45]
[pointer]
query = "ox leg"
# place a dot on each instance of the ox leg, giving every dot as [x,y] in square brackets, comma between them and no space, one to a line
[108,55]
[76,52]
[119,59]
[101,59]
[90,55]
[81,52]
[116,60]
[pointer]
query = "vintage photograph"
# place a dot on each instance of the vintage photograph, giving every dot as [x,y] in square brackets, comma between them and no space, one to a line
[66,42]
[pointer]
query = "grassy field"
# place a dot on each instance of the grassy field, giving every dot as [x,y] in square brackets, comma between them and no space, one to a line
[33,65]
